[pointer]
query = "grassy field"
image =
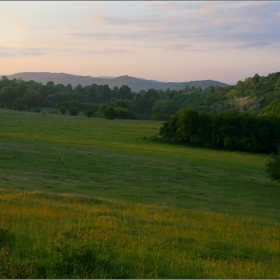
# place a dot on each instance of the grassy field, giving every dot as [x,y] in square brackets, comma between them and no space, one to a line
[121,205]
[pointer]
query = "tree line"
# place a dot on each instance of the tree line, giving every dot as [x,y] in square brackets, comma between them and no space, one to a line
[257,95]
[228,130]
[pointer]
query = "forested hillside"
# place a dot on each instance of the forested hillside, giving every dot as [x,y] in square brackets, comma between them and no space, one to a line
[257,95]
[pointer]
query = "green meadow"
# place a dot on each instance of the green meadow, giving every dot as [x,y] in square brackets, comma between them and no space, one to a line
[95,198]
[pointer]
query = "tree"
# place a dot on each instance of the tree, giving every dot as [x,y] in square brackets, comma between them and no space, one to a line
[273,168]
[89,113]
[62,110]
[73,111]
[273,109]
[8,95]
[17,106]
[31,99]
[187,124]
[102,107]
[122,113]
[110,113]
[125,92]
[80,93]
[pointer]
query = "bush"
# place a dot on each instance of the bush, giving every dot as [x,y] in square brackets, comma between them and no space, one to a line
[62,110]
[122,113]
[273,168]
[73,111]
[89,113]
[110,113]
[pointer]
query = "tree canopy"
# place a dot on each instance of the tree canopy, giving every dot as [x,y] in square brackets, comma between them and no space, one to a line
[257,95]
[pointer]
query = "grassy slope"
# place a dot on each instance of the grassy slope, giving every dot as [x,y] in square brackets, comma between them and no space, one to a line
[111,159]
[156,208]
[144,241]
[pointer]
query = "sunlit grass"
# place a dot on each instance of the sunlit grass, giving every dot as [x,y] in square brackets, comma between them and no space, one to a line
[149,241]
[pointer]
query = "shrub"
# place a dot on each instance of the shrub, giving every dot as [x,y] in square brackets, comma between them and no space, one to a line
[73,111]
[110,113]
[89,113]
[273,168]
[62,110]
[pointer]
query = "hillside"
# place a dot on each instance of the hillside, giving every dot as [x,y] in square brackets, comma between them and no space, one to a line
[136,84]
[90,198]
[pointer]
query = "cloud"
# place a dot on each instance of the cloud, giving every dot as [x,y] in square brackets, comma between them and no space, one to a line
[20,52]
[254,44]
[6,52]
[173,6]
[17,52]
[185,26]
[108,51]
[20,23]
[177,47]
[211,22]
[13,17]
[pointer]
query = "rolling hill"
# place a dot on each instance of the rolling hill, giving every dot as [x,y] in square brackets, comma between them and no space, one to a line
[136,84]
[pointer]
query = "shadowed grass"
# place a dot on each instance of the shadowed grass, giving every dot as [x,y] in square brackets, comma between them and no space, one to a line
[98,157]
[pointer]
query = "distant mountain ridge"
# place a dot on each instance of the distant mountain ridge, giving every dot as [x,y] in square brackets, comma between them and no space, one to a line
[135,84]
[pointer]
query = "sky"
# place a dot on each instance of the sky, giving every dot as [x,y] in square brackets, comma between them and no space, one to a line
[168,41]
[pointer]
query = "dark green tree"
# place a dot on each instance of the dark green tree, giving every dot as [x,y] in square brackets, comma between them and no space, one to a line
[8,95]
[110,113]
[102,107]
[62,110]
[80,93]
[31,99]
[73,111]
[17,106]
[125,92]
[122,113]
[89,113]
[273,168]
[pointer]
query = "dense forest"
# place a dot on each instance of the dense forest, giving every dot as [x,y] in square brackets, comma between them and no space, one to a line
[257,95]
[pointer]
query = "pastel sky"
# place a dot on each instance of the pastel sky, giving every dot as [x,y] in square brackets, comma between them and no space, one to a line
[166,41]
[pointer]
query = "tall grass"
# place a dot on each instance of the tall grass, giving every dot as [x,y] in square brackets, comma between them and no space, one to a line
[55,232]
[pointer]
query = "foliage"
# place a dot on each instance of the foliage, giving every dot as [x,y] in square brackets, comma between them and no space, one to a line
[89,113]
[272,109]
[257,95]
[62,110]
[73,111]
[229,130]
[122,113]
[273,167]
[31,99]
[110,113]
[17,106]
